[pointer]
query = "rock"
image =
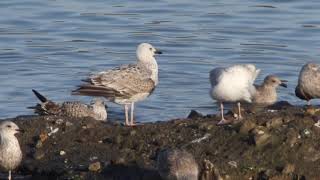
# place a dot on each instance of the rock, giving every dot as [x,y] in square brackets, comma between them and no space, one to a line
[43,136]
[94,167]
[292,137]
[39,144]
[210,172]
[274,122]
[194,115]
[288,169]
[38,155]
[133,132]
[246,127]
[261,136]
[62,153]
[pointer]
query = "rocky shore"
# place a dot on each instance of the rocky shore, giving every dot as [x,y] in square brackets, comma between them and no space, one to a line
[279,142]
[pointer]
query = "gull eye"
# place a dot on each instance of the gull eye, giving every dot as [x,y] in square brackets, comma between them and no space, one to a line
[274,81]
[150,49]
[8,126]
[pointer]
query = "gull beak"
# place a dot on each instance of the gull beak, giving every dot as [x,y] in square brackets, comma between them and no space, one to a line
[283,83]
[158,52]
[20,130]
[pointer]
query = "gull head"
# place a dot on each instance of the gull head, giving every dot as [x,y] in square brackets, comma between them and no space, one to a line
[146,52]
[274,81]
[9,128]
[312,66]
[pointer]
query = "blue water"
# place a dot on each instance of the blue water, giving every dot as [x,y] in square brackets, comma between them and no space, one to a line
[52,45]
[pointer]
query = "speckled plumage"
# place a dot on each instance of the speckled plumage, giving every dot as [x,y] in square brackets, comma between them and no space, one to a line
[309,82]
[266,93]
[96,109]
[174,164]
[10,152]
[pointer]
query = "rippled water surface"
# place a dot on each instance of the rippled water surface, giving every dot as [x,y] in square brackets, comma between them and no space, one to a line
[51,45]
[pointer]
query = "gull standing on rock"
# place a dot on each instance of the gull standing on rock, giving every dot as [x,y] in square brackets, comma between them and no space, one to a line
[10,152]
[177,164]
[266,93]
[126,84]
[233,84]
[309,82]
[96,110]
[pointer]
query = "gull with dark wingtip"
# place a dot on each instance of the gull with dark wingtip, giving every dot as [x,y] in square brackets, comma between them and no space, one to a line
[126,84]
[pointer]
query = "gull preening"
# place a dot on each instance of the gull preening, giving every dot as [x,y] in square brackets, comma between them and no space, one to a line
[96,110]
[126,84]
[10,152]
[233,84]
[309,82]
[177,164]
[266,93]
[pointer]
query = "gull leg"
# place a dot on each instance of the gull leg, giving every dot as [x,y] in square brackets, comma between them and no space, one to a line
[132,109]
[222,121]
[9,177]
[308,103]
[126,114]
[239,110]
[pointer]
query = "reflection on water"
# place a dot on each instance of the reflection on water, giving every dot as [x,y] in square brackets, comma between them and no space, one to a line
[51,45]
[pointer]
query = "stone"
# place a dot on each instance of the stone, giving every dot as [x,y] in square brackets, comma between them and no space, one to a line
[247,126]
[194,114]
[274,122]
[288,169]
[94,167]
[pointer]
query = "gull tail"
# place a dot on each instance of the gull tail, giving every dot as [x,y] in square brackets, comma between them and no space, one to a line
[46,107]
[40,96]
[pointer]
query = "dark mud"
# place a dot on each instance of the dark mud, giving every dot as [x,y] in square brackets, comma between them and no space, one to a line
[267,144]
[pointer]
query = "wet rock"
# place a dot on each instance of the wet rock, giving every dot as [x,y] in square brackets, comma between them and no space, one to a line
[38,155]
[194,115]
[274,122]
[292,137]
[261,136]
[94,167]
[39,144]
[247,126]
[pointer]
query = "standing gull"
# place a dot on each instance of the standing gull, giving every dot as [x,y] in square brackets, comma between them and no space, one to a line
[266,93]
[177,164]
[126,84]
[309,82]
[233,84]
[10,152]
[96,110]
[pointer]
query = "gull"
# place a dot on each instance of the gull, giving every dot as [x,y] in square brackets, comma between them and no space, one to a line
[233,84]
[126,84]
[177,164]
[309,82]
[266,93]
[96,110]
[10,152]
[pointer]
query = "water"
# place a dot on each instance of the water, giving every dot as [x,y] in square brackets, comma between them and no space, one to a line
[51,45]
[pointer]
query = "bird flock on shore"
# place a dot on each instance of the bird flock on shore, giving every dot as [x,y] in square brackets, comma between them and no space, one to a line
[128,84]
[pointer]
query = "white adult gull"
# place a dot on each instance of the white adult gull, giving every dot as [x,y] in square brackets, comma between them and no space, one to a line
[126,84]
[233,84]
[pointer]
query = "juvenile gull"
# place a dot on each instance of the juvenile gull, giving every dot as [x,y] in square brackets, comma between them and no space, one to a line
[233,84]
[96,110]
[177,164]
[10,152]
[126,84]
[266,93]
[309,82]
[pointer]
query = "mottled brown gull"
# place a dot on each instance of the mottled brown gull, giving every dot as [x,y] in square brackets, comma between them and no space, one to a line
[177,164]
[126,84]
[10,152]
[309,82]
[233,84]
[96,110]
[266,93]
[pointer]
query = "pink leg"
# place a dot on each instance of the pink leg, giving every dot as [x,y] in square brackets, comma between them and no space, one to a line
[239,110]
[222,121]
[126,114]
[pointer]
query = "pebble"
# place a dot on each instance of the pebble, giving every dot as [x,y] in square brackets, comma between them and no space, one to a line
[62,153]
[94,167]
[288,169]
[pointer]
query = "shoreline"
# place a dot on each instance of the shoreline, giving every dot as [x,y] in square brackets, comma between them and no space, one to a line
[278,144]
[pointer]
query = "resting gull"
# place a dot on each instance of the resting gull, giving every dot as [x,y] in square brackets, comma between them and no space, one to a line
[10,152]
[96,110]
[126,84]
[177,164]
[266,93]
[309,82]
[233,84]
